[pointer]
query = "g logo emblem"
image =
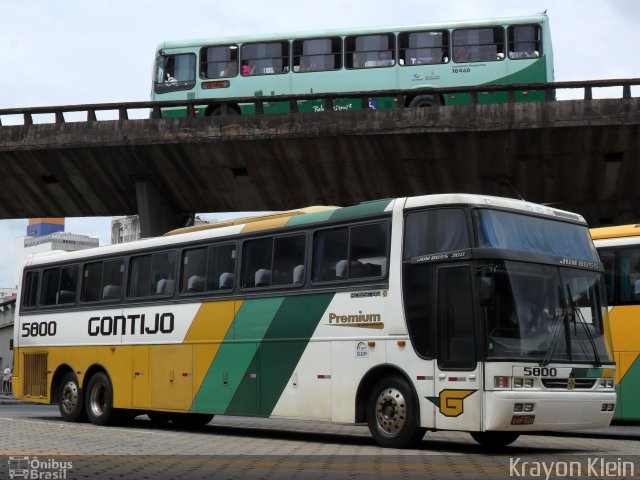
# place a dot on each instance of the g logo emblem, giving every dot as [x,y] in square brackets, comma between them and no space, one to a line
[451,402]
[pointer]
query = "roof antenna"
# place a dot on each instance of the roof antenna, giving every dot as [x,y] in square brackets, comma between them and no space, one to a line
[505,180]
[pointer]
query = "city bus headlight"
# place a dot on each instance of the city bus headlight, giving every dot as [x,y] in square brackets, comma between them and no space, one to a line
[606,383]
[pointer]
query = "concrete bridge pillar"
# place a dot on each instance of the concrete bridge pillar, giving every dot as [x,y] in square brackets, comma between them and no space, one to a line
[156,216]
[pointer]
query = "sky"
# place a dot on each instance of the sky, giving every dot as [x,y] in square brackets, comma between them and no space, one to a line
[63,52]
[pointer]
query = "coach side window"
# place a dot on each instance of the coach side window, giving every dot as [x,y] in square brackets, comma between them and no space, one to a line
[273,261]
[102,281]
[435,231]
[347,253]
[152,275]
[59,286]
[208,269]
[30,290]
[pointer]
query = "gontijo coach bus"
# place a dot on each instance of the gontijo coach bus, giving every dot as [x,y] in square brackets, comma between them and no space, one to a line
[484,52]
[454,312]
[619,249]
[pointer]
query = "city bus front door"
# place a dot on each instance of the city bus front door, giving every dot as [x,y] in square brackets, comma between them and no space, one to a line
[458,373]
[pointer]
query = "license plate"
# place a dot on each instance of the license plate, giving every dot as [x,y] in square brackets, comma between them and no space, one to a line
[522,419]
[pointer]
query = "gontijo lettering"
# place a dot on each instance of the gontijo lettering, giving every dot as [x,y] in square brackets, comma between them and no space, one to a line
[130,324]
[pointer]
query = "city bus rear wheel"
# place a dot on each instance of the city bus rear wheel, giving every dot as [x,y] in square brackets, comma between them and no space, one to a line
[423,101]
[70,401]
[99,400]
[494,439]
[392,413]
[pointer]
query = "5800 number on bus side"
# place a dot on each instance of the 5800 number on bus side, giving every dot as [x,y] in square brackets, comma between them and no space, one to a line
[39,329]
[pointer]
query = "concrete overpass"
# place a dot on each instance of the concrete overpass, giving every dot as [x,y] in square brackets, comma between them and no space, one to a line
[582,155]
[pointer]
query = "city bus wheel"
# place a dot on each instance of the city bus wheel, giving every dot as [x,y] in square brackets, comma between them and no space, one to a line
[70,401]
[423,101]
[191,419]
[494,439]
[217,111]
[99,400]
[392,414]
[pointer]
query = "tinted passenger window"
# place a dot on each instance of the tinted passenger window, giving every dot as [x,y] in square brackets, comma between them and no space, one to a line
[152,275]
[59,285]
[478,44]
[435,231]
[207,269]
[351,252]
[274,261]
[102,281]
[30,290]
[369,51]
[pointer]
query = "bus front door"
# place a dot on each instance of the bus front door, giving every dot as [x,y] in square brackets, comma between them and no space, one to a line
[458,373]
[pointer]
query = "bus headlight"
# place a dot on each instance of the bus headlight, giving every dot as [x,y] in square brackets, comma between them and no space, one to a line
[501,382]
[606,383]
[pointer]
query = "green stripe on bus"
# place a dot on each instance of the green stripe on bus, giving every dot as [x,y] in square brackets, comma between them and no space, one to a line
[365,208]
[282,347]
[236,354]
[629,392]
[310,218]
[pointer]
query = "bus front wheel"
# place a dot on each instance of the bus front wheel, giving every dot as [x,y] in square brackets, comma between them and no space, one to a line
[99,400]
[392,413]
[423,101]
[494,439]
[70,401]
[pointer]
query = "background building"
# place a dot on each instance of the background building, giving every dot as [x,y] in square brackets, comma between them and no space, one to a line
[7,312]
[127,229]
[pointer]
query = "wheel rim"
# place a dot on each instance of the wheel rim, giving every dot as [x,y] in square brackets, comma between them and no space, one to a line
[391,411]
[97,400]
[69,399]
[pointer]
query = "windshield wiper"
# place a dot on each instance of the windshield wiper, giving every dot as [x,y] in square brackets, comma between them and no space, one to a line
[577,314]
[552,337]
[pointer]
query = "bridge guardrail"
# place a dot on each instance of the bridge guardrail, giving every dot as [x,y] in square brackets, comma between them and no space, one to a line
[154,107]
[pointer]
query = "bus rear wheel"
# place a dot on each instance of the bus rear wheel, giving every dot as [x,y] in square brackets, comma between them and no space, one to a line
[494,439]
[70,401]
[99,400]
[423,101]
[392,414]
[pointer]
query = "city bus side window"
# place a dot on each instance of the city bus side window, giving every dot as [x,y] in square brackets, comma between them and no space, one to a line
[265,58]
[478,44]
[219,61]
[369,51]
[30,290]
[525,41]
[423,48]
[318,54]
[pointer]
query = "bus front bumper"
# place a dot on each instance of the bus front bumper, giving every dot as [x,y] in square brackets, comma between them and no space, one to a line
[554,411]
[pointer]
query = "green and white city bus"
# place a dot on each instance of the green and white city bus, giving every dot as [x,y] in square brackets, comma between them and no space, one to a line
[443,312]
[485,52]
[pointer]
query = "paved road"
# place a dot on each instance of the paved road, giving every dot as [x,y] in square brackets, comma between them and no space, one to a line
[245,448]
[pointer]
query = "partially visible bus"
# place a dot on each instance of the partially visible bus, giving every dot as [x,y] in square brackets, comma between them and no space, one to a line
[442,312]
[484,52]
[619,249]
